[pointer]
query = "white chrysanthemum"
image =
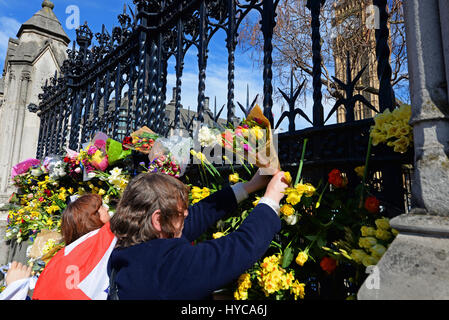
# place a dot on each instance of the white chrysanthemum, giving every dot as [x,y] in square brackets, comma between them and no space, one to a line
[207,137]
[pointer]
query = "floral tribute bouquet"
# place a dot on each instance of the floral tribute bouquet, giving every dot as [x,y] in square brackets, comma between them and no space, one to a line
[393,129]
[23,167]
[93,155]
[252,141]
[170,155]
[141,140]
[165,164]
[41,200]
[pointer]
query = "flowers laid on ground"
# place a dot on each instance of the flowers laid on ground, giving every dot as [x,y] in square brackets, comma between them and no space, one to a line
[393,129]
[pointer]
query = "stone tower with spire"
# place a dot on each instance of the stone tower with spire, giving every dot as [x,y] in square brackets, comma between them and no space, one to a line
[354,37]
[32,58]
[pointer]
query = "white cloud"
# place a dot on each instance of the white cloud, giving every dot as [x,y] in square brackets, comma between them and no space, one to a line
[8,29]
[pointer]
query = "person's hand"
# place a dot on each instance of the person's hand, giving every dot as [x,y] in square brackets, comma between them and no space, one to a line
[17,271]
[257,182]
[276,187]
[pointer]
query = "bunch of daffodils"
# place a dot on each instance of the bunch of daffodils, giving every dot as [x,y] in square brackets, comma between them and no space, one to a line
[273,279]
[393,128]
[373,243]
[295,194]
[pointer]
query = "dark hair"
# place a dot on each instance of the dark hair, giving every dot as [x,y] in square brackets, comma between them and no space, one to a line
[80,217]
[145,194]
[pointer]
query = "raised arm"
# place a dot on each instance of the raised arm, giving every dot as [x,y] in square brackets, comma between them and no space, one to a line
[206,212]
[212,264]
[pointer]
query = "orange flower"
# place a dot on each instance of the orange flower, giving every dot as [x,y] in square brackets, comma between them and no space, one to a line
[328,264]
[336,179]
[372,204]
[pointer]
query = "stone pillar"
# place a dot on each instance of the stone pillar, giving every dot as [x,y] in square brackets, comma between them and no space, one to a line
[415,265]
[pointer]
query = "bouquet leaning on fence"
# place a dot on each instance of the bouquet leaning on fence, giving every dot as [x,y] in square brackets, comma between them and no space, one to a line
[252,141]
[141,140]
[170,155]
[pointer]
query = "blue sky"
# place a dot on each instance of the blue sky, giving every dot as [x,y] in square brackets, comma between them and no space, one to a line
[15,12]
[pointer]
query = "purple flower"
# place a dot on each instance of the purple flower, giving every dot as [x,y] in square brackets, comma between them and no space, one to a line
[246,147]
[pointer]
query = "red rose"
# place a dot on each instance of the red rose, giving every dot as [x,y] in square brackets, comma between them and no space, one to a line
[328,264]
[372,204]
[66,159]
[47,192]
[41,199]
[336,179]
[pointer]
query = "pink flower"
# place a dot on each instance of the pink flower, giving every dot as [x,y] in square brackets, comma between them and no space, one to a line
[100,144]
[238,132]
[23,166]
[92,150]
[246,147]
[102,165]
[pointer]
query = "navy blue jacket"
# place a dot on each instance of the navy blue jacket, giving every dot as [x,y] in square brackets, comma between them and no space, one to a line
[176,269]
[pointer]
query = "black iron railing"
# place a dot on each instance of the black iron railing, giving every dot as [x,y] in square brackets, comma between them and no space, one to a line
[119,84]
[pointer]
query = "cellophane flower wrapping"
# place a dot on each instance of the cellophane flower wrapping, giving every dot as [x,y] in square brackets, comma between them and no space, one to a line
[170,155]
[23,167]
[253,141]
[94,155]
[115,151]
[55,166]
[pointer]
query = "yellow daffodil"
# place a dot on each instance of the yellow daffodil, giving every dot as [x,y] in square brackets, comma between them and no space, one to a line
[293,196]
[62,196]
[287,210]
[234,178]
[52,209]
[288,177]
[255,202]
[49,222]
[298,290]
[218,235]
